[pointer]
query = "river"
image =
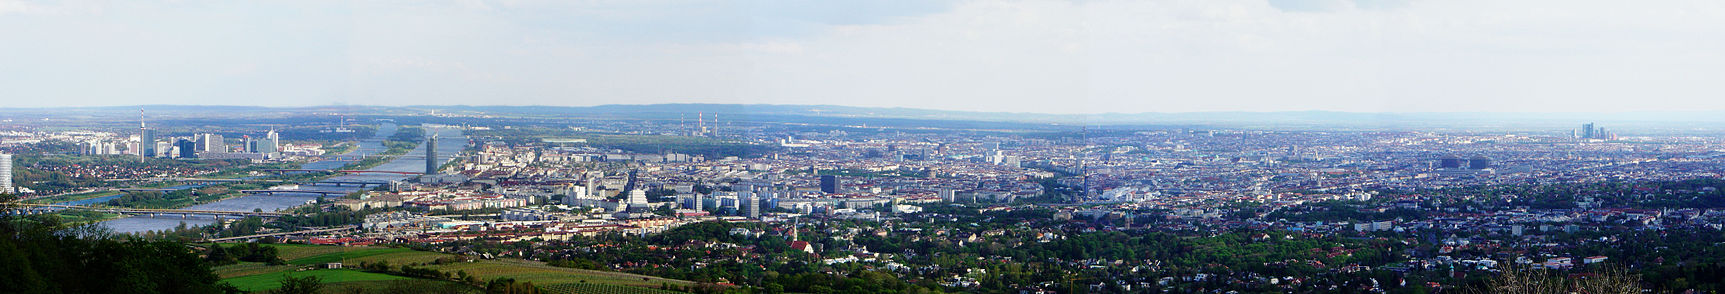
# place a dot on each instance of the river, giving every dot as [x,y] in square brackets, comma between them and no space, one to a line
[450,142]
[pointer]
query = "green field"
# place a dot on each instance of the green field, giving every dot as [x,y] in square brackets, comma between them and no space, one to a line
[250,269]
[357,255]
[298,251]
[273,280]
[541,274]
[252,276]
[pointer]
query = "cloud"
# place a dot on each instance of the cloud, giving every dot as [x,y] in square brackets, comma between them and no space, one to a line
[1309,5]
[1029,56]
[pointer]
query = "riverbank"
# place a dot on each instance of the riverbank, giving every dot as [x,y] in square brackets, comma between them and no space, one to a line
[186,195]
[396,149]
[405,158]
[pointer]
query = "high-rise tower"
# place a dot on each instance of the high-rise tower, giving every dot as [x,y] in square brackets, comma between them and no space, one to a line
[271,145]
[431,154]
[5,173]
[830,184]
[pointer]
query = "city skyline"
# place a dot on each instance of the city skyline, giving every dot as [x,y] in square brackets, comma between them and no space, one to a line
[862,146]
[629,191]
[1043,57]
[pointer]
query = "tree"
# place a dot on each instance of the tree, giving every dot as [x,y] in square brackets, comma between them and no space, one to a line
[218,255]
[510,286]
[1535,281]
[43,255]
[467,278]
[300,285]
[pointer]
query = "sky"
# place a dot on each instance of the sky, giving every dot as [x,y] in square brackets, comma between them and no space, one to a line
[999,56]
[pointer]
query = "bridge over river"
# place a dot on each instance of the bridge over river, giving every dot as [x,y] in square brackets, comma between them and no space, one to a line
[303,232]
[404,166]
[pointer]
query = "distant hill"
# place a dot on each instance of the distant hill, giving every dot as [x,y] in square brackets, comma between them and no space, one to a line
[1286,119]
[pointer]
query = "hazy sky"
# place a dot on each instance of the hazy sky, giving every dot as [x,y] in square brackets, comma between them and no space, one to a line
[1053,57]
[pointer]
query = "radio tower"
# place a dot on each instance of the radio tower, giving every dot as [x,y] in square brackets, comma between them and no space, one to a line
[1083,163]
[144,136]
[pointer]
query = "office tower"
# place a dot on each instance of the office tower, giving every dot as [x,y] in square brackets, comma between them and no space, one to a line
[1587,131]
[147,141]
[188,149]
[830,184]
[247,145]
[431,154]
[211,143]
[218,144]
[754,206]
[5,173]
[164,149]
[1479,162]
[1449,161]
[270,145]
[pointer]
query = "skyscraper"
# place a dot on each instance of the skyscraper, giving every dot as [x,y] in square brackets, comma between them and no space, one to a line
[164,148]
[754,206]
[830,184]
[147,141]
[1589,131]
[212,143]
[5,173]
[1479,162]
[188,149]
[431,154]
[270,145]
[1450,161]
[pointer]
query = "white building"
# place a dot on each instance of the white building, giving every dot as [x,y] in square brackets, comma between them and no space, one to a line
[5,173]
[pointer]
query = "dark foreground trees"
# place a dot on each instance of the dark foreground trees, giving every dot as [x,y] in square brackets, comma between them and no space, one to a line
[40,254]
[1514,280]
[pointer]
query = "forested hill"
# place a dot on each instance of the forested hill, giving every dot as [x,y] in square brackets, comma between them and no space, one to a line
[40,254]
